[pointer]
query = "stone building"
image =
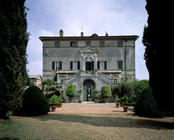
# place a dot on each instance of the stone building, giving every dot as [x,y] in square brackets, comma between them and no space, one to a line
[37,80]
[89,62]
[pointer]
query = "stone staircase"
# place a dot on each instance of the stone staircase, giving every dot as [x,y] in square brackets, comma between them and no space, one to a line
[105,78]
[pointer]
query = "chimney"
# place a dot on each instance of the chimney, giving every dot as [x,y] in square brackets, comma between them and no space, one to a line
[81,34]
[61,33]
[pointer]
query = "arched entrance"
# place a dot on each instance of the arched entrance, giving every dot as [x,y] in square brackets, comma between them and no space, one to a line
[88,87]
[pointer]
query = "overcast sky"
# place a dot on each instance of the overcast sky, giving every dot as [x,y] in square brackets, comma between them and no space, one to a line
[117,17]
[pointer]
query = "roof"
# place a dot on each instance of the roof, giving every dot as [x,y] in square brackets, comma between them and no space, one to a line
[35,76]
[123,37]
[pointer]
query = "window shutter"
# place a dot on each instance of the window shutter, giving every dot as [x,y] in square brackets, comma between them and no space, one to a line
[98,65]
[71,65]
[53,65]
[105,67]
[120,64]
[92,65]
[60,65]
[78,65]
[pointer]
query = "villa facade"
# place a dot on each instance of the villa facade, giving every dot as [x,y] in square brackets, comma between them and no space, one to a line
[89,62]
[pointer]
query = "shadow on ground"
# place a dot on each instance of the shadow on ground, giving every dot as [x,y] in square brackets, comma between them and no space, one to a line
[129,121]
[9,138]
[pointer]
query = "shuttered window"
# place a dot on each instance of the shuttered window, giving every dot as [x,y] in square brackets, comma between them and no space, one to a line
[102,65]
[120,64]
[74,65]
[56,65]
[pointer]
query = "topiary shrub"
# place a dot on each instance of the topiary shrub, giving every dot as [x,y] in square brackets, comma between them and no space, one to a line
[146,105]
[106,91]
[71,91]
[55,100]
[34,102]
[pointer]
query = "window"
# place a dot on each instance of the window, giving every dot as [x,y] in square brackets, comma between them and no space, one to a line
[74,65]
[102,43]
[57,44]
[120,43]
[56,65]
[102,65]
[88,43]
[120,64]
[73,43]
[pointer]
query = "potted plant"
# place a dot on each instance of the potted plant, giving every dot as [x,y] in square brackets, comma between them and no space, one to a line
[117,102]
[71,92]
[55,101]
[106,93]
[124,101]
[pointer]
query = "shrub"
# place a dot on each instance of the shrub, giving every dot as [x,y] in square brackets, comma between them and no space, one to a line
[34,102]
[71,91]
[127,90]
[96,94]
[124,100]
[146,105]
[55,100]
[106,91]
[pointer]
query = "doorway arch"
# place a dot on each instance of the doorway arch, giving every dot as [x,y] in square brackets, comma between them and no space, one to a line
[88,87]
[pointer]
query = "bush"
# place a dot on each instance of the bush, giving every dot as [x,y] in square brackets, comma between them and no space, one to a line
[106,91]
[71,91]
[127,90]
[139,86]
[146,105]
[55,100]
[34,102]
[96,94]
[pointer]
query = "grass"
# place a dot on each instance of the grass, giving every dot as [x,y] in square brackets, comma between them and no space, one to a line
[74,127]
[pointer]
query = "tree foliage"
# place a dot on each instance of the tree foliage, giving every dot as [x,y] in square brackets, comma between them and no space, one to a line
[146,105]
[106,91]
[158,52]
[71,91]
[33,102]
[13,42]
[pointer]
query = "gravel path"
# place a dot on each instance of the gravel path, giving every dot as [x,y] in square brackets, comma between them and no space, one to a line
[90,108]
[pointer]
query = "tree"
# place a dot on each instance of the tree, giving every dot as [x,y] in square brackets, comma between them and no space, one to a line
[158,52]
[13,42]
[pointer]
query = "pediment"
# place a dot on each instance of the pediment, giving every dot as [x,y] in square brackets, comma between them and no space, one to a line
[89,50]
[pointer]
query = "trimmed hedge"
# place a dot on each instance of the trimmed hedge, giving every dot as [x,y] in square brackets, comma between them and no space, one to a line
[71,91]
[55,100]
[34,102]
[146,105]
[106,91]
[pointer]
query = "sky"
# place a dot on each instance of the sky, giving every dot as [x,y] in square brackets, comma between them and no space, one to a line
[116,17]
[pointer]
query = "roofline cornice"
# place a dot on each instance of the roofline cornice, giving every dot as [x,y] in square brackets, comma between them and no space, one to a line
[50,38]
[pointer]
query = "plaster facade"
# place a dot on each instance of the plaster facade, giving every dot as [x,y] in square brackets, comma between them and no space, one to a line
[88,61]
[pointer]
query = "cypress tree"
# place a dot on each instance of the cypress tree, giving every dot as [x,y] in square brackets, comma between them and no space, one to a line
[13,42]
[157,39]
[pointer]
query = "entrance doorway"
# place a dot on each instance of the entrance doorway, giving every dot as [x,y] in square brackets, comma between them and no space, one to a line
[88,87]
[89,66]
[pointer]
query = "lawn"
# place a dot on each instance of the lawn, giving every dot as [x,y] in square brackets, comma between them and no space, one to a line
[74,127]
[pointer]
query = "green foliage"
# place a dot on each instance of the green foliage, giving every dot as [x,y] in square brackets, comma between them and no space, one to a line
[124,100]
[155,54]
[127,90]
[71,91]
[34,102]
[96,94]
[54,100]
[13,42]
[146,105]
[50,88]
[132,90]
[106,91]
